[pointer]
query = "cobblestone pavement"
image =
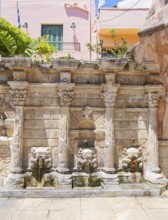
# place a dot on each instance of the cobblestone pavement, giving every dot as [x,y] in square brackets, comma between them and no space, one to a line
[115,208]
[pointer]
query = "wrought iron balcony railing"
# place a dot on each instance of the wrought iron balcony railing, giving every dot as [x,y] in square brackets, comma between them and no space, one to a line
[66,46]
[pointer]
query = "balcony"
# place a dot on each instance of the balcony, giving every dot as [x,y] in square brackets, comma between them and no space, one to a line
[66,46]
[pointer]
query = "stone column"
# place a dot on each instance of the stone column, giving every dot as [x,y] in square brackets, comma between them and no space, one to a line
[152,100]
[152,171]
[18,97]
[65,94]
[109,95]
[165,122]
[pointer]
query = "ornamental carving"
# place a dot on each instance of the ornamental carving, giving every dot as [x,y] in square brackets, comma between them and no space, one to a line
[87,113]
[108,98]
[65,97]
[87,160]
[152,99]
[38,154]
[18,96]
[132,159]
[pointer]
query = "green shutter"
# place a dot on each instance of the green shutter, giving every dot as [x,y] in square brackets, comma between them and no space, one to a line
[55,35]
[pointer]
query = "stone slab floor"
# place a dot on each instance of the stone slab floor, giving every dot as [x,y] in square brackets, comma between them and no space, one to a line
[114,208]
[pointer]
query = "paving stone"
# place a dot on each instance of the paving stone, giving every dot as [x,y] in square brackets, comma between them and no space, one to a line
[125,202]
[6,214]
[30,215]
[64,215]
[3,201]
[96,203]
[157,214]
[35,204]
[129,214]
[12,204]
[98,215]
[65,204]
[153,202]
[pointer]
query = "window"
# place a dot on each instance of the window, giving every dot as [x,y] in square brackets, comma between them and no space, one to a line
[55,35]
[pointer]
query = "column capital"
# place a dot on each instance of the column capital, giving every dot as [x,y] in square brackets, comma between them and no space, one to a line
[152,99]
[18,96]
[65,92]
[109,93]
[65,97]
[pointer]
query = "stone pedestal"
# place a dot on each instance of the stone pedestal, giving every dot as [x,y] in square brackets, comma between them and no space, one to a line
[82,179]
[109,181]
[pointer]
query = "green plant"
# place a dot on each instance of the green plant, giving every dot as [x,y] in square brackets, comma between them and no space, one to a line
[97,48]
[67,57]
[117,51]
[41,48]
[13,41]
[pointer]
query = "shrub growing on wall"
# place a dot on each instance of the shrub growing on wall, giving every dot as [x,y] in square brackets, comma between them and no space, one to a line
[13,41]
[118,50]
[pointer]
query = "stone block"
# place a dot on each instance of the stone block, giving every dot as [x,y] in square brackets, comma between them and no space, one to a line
[17,62]
[119,115]
[163,152]
[42,114]
[52,133]
[142,125]
[30,114]
[165,171]
[55,114]
[19,75]
[32,142]
[131,134]
[142,134]
[164,163]
[9,125]
[34,124]
[51,124]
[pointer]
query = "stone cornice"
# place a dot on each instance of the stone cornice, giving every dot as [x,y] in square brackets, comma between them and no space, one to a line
[155,88]
[153,29]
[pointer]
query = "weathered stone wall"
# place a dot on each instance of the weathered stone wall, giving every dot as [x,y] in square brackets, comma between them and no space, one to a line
[5,156]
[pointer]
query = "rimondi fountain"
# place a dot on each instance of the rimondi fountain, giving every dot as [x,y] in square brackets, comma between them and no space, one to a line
[84,127]
[80,125]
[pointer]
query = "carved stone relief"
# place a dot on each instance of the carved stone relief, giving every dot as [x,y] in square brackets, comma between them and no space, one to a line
[87,160]
[18,96]
[87,113]
[152,99]
[132,159]
[40,163]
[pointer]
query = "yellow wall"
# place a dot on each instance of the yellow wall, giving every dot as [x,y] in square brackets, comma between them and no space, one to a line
[129,34]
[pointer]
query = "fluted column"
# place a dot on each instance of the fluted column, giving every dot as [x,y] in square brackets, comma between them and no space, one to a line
[165,122]
[18,93]
[152,99]
[109,95]
[65,94]
[18,97]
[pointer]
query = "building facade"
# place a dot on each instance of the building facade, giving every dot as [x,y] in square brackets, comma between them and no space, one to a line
[67,23]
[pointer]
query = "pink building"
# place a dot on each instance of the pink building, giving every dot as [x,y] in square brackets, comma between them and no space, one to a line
[68,23]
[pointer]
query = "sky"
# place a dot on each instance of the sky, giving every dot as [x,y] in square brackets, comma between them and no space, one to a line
[126,3]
